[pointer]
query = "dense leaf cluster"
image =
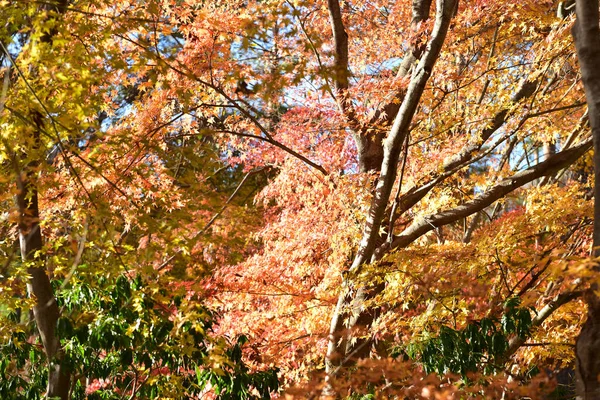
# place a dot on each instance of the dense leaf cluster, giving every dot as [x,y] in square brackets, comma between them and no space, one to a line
[123,336]
[481,345]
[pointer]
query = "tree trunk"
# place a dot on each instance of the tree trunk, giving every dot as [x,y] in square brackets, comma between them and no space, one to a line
[45,310]
[341,350]
[586,33]
[369,142]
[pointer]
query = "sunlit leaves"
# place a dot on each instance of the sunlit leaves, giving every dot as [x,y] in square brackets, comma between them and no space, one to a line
[174,144]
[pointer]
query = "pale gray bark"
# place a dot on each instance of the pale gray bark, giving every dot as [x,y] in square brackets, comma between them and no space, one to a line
[471,228]
[386,114]
[337,348]
[397,135]
[467,153]
[424,225]
[350,314]
[344,353]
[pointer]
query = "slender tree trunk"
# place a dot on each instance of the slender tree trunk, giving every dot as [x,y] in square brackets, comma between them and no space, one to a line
[586,32]
[351,303]
[45,310]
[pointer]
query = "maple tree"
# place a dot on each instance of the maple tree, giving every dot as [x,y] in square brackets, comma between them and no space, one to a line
[352,189]
[90,217]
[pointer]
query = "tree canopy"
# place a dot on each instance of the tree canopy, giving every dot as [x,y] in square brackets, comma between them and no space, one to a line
[269,198]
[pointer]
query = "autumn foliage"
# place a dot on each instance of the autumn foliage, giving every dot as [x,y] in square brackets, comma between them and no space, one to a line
[307,198]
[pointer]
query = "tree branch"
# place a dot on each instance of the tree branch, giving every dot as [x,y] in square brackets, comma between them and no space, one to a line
[545,312]
[340,65]
[586,33]
[387,113]
[456,162]
[551,165]
[399,131]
